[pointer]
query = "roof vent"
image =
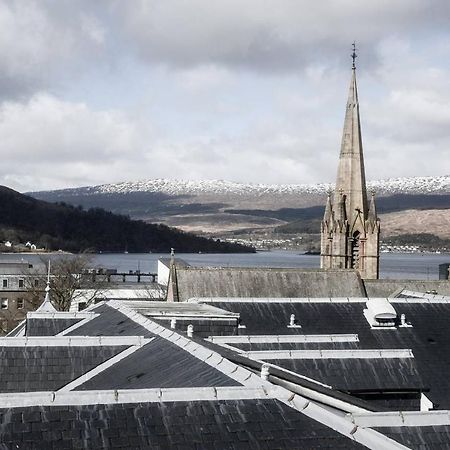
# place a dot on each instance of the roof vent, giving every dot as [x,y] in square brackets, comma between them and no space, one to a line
[190,330]
[173,323]
[293,322]
[380,313]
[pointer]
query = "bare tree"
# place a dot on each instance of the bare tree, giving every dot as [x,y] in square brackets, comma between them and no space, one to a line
[71,280]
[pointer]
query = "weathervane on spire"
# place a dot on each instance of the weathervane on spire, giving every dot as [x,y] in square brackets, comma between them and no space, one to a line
[354,55]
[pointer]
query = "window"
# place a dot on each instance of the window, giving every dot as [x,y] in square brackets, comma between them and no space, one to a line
[5,283]
[36,282]
[4,303]
[21,283]
[20,303]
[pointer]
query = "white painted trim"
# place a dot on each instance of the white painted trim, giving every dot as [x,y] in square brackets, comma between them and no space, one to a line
[329,354]
[157,395]
[78,324]
[60,315]
[101,367]
[196,317]
[284,338]
[401,419]
[71,341]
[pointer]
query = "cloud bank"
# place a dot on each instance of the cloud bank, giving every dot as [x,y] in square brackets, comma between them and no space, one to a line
[254,91]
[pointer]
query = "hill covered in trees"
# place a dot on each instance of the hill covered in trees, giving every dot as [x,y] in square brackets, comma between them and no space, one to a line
[60,226]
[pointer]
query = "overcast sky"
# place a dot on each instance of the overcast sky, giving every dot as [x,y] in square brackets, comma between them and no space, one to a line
[104,91]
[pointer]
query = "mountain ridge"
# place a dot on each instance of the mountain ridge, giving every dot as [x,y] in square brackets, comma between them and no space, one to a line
[422,185]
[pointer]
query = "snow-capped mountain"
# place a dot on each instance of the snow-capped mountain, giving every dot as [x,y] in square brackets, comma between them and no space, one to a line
[407,185]
[217,205]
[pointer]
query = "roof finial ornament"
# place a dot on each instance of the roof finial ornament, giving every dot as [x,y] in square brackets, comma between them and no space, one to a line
[47,288]
[46,305]
[354,55]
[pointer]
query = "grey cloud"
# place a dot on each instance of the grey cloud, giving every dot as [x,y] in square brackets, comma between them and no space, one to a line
[44,43]
[272,35]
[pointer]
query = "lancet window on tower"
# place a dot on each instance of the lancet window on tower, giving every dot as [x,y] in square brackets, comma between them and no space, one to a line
[355,250]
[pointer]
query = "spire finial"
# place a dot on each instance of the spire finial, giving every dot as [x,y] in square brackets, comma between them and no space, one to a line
[354,55]
[47,288]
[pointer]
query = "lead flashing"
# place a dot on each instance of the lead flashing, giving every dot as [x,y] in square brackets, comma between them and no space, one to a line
[278,339]
[61,315]
[27,399]
[401,419]
[329,354]
[72,341]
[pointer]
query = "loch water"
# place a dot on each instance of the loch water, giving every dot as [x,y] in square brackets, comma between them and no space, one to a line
[424,266]
[420,266]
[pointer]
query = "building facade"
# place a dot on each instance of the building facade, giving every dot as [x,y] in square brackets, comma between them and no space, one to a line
[350,228]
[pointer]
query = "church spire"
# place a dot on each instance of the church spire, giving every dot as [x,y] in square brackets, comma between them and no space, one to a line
[353,242]
[351,178]
[172,285]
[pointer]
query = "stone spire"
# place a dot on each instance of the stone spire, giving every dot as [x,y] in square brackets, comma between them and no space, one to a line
[172,284]
[351,180]
[350,229]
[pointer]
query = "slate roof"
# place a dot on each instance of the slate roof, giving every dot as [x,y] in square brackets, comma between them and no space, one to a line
[110,322]
[158,364]
[30,368]
[266,282]
[48,327]
[160,389]
[428,338]
[221,425]
[420,438]
[353,374]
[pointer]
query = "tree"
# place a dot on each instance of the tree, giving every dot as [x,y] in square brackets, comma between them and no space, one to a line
[70,280]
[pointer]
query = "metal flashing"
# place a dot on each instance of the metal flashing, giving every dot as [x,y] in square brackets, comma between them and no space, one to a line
[401,419]
[329,354]
[60,315]
[284,338]
[72,341]
[25,399]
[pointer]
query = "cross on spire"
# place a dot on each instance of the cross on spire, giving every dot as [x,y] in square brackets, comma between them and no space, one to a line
[354,55]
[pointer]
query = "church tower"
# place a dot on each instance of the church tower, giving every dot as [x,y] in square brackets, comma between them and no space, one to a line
[350,228]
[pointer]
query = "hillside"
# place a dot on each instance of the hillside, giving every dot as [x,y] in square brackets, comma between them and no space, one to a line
[61,226]
[220,206]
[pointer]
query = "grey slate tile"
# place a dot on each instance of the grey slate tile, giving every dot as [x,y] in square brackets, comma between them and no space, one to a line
[158,364]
